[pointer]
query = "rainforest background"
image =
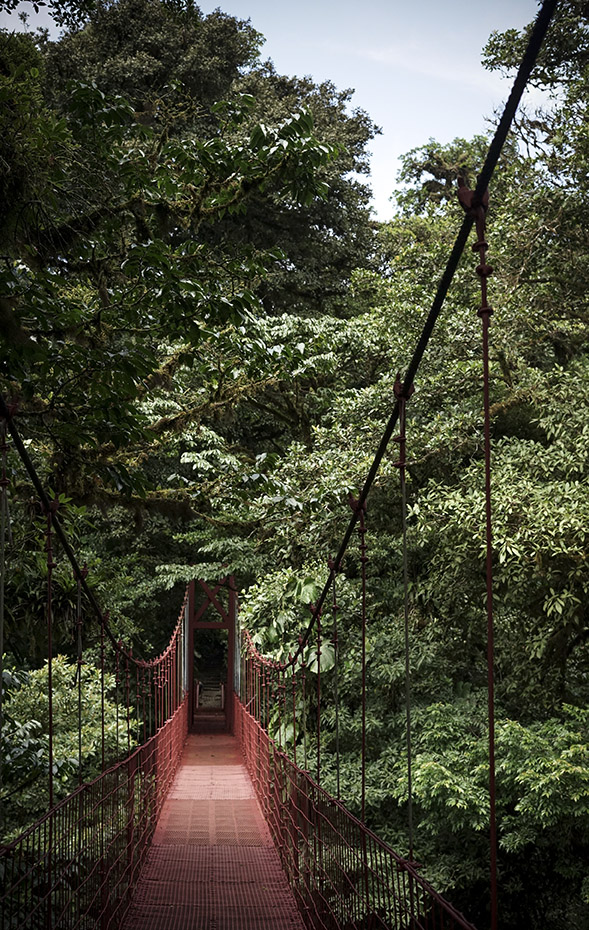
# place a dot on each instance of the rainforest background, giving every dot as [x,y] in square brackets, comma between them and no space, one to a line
[203,324]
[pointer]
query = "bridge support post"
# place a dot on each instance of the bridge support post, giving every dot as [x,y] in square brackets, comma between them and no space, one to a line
[131,770]
[231,653]
[189,646]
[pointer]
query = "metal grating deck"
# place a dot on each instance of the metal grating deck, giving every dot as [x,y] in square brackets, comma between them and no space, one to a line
[212,865]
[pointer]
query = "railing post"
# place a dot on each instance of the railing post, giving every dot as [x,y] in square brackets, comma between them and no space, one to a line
[131,769]
[103,870]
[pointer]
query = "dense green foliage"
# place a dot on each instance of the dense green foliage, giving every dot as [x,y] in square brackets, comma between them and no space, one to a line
[24,736]
[205,331]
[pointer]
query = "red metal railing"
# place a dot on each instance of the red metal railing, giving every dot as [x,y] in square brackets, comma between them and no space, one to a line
[342,875]
[77,866]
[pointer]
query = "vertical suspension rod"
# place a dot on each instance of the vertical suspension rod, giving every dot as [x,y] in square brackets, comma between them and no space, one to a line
[80,663]
[117,696]
[401,465]
[485,312]
[128,702]
[334,608]
[477,207]
[359,508]
[362,533]
[294,716]
[4,526]
[50,566]
[318,620]
[102,732]
[137,703]
[304,692]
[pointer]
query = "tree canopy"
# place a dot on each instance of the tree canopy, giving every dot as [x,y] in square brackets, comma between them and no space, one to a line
[204,328]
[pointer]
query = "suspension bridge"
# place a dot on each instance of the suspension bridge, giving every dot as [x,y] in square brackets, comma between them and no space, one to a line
[201,818]
[209,823]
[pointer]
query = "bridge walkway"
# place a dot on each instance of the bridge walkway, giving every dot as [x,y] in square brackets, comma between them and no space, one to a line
[212,865]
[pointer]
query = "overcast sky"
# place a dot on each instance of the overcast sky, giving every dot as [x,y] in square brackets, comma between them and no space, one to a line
[415,66]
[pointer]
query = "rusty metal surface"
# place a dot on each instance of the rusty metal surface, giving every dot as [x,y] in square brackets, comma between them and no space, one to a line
[342,875]
[75,868]
[212,865]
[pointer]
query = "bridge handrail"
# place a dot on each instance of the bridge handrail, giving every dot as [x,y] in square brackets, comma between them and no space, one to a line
[85,786]
[82,859]
[306,846]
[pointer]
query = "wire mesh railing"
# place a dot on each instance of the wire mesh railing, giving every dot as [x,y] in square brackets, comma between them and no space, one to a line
[77,865]
[341,873]
[76,868]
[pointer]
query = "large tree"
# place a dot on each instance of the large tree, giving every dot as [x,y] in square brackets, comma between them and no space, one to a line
[112,285]
[171,62]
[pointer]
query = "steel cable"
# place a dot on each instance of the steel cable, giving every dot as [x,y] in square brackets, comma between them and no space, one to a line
[528,61]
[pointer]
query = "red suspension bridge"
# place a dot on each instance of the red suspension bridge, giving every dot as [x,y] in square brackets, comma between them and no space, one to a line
[209,823]
[200,817]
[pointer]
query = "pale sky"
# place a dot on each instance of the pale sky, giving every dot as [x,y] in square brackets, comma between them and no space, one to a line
[415,66]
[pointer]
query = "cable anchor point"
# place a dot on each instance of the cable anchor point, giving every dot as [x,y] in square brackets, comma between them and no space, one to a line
[477,208]
[355,504]
[401,390]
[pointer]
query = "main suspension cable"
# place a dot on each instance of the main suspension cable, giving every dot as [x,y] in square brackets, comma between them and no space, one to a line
[7,415]
[525,69]
[528,61]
